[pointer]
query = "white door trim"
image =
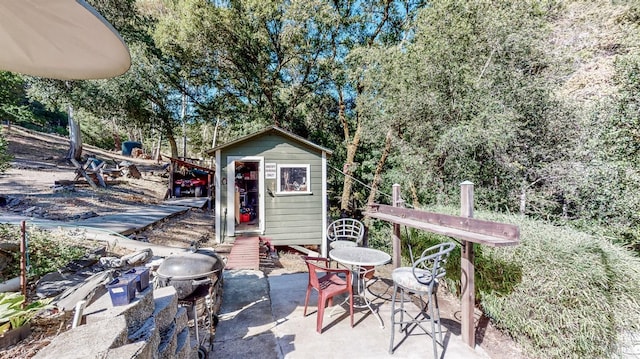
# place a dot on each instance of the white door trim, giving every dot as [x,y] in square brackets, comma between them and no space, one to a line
[231,170]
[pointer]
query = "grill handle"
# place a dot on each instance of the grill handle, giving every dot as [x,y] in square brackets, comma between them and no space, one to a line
[201,281]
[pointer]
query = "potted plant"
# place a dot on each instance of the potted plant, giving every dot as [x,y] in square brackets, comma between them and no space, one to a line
[15,317]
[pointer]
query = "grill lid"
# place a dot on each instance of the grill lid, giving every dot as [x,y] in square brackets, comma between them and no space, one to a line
[192,265]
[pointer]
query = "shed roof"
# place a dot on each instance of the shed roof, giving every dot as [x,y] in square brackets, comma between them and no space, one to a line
[271,130]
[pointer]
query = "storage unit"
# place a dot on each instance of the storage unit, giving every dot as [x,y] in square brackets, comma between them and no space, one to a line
[271,183]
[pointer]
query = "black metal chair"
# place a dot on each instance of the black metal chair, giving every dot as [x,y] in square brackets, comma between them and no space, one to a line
[420,279]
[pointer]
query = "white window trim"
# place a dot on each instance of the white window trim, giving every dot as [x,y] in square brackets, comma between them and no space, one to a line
[290,193]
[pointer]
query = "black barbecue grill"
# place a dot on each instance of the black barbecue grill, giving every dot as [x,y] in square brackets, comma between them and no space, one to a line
[197,278]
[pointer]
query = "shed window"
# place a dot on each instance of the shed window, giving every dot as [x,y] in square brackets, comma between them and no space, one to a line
[293,179]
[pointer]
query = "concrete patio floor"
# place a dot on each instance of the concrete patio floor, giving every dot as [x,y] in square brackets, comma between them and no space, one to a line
[262,317]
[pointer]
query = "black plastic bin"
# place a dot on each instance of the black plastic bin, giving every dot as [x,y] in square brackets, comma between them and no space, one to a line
[128,146]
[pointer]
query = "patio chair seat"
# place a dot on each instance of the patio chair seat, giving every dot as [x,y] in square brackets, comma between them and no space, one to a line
[404,277]
[342,244]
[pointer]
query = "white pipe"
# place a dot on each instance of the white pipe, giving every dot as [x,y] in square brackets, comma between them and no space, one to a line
[77,317]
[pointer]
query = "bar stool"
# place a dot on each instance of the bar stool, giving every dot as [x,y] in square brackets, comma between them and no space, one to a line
[420,279]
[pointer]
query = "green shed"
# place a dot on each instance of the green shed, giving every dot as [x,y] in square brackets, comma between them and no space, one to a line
[271,183]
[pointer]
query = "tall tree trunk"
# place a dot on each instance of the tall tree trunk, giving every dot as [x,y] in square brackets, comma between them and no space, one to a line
[215,133]
[523,195]
[352,144]
[523,201]
[183,117]
[349,167]
[117,142]
[414,194]
[156,154]
[377,176]
[75,138]
[172,144]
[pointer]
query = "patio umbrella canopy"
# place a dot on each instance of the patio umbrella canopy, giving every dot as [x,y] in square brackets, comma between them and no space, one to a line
[60,39]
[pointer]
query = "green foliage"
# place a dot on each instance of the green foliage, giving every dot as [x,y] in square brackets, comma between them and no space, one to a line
[378,236]
[597,185]
[625,126]
[632,15]
[11,94]
[48,251]
[5,157]
[95,132]
[578,294]
[13,312]
[468,102]
[17,108]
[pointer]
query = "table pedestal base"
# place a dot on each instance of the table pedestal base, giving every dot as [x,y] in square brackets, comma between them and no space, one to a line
[360,299]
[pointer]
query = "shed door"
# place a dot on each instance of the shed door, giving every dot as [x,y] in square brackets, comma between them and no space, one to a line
[245,195]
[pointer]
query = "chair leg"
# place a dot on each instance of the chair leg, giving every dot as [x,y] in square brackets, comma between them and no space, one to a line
[402,311]
[429,310]
[433,327]
[306,300]
[435,300]
[351,308]
[322,302]
[393,316]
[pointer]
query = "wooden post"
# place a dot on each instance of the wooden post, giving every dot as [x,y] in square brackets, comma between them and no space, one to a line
[395,236]
[467,277]
[172,168]
[209,188]
[23,260]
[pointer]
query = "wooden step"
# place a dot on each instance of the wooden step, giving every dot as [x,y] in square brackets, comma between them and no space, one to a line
[244,254]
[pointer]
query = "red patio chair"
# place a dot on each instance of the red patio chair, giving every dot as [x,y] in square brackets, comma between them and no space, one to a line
[329,282]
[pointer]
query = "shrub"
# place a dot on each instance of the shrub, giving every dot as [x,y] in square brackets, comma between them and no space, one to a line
[579,294]
[5,157]
[47,251]
[14,313]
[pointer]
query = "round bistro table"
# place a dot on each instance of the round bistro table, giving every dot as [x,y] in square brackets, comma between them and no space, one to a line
[361,260]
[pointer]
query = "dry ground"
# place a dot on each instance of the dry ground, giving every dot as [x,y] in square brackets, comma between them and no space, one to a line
[40,160]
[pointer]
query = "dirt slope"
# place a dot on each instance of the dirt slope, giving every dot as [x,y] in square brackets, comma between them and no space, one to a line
[39,161]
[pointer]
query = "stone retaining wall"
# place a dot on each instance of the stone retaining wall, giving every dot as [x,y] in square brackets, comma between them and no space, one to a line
[151,326]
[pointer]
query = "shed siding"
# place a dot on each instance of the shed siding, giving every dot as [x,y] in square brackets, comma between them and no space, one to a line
[289,218]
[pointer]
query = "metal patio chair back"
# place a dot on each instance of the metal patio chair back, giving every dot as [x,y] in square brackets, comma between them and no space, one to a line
[345,232]
[420,279]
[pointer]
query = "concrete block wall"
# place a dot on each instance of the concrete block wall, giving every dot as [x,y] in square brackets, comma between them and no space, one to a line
[151,326]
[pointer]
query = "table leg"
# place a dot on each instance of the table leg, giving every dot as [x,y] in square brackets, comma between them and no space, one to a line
[361,280]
